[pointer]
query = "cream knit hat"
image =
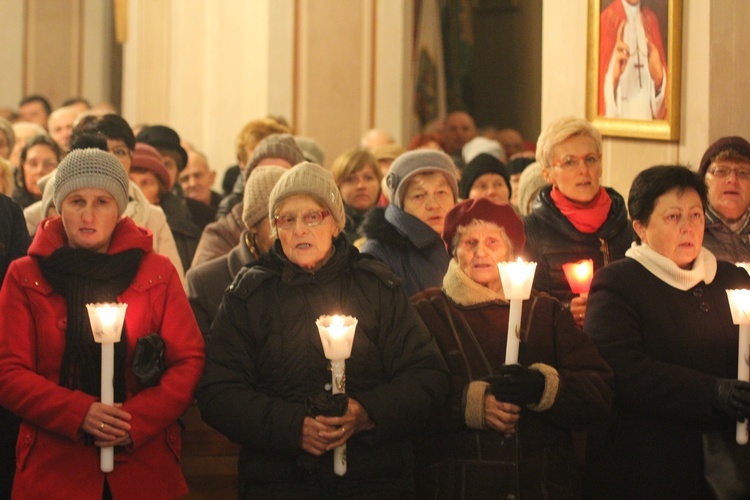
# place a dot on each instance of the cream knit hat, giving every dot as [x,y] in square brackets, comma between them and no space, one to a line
[257,191]
[274,146]
[92,168]
[312,180]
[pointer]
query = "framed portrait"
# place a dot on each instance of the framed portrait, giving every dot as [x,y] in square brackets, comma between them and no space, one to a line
[633,68]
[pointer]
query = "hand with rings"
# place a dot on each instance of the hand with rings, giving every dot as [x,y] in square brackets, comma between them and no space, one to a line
[109,425]
[578,308]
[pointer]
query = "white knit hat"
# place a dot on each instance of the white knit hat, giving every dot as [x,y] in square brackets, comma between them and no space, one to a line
[312,180]
[257,191]
[92,168]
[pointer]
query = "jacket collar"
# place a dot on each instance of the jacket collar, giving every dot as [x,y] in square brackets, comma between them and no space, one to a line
[419,233]
[292,273]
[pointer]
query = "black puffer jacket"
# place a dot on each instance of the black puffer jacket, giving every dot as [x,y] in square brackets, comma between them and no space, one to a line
[264,357]
[552,240]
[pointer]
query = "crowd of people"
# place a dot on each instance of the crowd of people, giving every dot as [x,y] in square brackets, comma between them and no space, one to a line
[622,390]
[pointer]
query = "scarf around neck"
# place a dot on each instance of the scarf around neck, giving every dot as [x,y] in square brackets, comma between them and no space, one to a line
[586,219]
[464,291]
[704,267]
[82,277]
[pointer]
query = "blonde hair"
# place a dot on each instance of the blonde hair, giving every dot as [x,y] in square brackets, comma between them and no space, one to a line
[351,162]
[6,177]
[252,133]
[560,131]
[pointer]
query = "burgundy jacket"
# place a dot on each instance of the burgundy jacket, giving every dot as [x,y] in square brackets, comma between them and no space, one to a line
[53,460]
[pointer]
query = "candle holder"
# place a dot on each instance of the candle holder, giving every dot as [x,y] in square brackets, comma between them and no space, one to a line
[106,324]
[517,278]
[579,275]
[739,304]
[337,335]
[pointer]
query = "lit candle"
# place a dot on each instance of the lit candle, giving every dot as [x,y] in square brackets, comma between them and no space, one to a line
[739,304]
[106,324]
[337,335]
[517,278]
[579,275]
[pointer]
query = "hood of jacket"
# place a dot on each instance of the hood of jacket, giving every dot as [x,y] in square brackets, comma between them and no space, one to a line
[394,227]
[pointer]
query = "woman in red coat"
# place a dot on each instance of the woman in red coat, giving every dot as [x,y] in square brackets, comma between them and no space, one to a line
[50,365]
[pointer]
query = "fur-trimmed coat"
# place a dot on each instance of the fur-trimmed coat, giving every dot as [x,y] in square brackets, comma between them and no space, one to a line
[464,459]
[410,248]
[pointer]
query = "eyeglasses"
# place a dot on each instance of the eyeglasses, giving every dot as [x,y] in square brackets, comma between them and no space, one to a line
[722,172]
[571,162]
[310,219]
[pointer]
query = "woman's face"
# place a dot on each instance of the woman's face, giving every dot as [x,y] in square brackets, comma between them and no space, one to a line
[576,168]
[729,195]
[490,186]
[429,197]
[40,160]
[148,182]
[361,189]
[675,228]
[305,245]
[89,216]
[479,249]
[118,148]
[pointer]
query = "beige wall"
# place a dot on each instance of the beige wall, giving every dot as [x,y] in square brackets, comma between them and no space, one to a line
[714,82]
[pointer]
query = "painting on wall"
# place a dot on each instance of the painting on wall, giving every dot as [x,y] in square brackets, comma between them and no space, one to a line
[634,67]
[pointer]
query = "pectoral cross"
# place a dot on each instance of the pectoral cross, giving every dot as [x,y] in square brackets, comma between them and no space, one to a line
[638,65]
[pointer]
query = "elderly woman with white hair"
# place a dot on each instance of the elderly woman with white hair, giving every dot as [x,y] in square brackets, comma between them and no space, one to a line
[573,218]
[265,359]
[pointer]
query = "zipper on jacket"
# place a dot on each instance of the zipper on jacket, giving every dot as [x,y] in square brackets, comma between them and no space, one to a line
[604,249]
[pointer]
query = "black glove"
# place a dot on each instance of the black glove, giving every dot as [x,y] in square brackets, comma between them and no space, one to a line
[732,398]
[518,385]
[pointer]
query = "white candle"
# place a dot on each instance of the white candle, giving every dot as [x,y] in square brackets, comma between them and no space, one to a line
[739,304]
[337,335]
[106,325]
[517,278]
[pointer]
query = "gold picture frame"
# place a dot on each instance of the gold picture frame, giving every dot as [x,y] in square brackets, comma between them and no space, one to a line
[608,111]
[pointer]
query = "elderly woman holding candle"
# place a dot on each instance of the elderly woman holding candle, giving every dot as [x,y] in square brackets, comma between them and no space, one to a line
[662,320]
[265,358]
[506,429]
[575,217]
[50,364]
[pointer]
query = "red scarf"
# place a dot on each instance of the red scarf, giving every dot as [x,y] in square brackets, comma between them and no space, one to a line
[586,218]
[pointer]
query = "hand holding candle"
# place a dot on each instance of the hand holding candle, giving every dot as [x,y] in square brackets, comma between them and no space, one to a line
[337,335]
[739,304]
[106,324]
[517,278]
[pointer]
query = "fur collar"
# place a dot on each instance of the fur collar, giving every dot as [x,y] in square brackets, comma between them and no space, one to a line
[464,291]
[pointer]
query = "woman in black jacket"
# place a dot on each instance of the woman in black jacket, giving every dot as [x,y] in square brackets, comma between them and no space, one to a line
[575,218]
[265,358]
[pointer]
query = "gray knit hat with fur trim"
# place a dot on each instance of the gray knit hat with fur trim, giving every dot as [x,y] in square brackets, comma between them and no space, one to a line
[418,161]
[275,146]
[257,191]
[92,168]
[312,180]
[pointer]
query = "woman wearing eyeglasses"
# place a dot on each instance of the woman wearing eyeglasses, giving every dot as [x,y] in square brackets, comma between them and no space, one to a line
[265,358]
[725,167]
[573,218]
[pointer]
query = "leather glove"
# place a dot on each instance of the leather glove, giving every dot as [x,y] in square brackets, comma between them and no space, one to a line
[518,385]
[732,397]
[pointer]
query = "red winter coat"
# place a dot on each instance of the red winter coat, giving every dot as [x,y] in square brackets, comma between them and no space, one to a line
[52,459]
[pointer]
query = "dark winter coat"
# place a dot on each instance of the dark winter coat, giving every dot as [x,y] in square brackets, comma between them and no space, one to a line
[552,240]
[207,282]
[55,459]
[220,237]
[185,231]
[408,246]
[264,357]
[538,460]
[667,347]
[723,242]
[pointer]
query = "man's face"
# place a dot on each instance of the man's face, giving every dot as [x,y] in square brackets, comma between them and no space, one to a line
[61,126]
[459,129]
[33,112]
[196,179]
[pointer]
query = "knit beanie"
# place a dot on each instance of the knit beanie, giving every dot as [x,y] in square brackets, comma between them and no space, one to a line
[483,163]
[257,191]
[479,145]
[275,146]
[163,137]
[735,143]
[518,165]
[501,214]
[148,158]
[91,168]
[312,180]
[6,128]
[419,161]
[47,187]
[531,182]
[311,150]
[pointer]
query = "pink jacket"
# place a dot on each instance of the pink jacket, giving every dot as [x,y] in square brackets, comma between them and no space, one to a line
[52,459]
